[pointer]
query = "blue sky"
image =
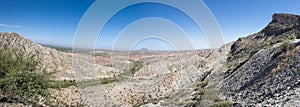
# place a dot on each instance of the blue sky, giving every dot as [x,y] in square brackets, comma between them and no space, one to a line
[55,21]
[243,17]
[44,21]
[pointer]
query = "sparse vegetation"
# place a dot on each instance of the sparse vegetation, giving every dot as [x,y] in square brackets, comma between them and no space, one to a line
[19,82]
[285,46]
[218,99]
[267,45]
[62,84]
[109,80]
[100,52]
[200,92]
[61,49]
[291,37]
[202,84]
[222,104]
[83,84]
[137,65]
[236,65]
[206,95]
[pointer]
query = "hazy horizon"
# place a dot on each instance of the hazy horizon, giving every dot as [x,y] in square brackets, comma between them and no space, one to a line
[45,21]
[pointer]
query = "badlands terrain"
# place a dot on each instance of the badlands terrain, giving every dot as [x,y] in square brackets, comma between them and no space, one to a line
[262,69]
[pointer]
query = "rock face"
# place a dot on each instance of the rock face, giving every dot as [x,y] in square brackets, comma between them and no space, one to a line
[281,23]
[286,19]
[261,75]
[268,78]
[282,26]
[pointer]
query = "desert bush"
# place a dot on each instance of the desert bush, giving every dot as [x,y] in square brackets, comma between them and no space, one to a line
[62,84]
[222,104]
[19,81]
[267,45]
[137,65]
[200,92]
[109,80]
[291,37]
[202,84]
[218,99]
[134,67]
[285,46]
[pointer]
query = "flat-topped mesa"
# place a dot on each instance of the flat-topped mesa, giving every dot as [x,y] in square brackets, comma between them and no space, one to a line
[281,22]
[286,19]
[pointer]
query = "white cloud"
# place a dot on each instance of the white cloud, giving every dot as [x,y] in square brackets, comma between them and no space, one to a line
[12,26]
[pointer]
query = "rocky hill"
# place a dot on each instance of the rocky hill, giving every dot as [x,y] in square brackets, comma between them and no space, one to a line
[264,67]
[60,65]
[56,62]
[143,51]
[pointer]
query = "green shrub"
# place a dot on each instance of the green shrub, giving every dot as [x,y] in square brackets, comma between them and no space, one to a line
[286,46]
[218,99]
[202,84]
[137,65]
[291,37]
[267,45]
[89,83]
[200,92]
[109,80]
[62,84]
[19,81]
[222,104]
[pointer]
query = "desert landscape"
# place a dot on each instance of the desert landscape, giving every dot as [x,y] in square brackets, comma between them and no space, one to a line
[261,69]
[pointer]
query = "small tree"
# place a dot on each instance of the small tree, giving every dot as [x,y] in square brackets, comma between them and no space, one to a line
[19,81]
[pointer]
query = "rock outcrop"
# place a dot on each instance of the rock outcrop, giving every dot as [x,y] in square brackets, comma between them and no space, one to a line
[281,27]
[264,67]
[281,23]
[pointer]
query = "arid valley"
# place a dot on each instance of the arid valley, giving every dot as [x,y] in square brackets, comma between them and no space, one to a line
[261,69]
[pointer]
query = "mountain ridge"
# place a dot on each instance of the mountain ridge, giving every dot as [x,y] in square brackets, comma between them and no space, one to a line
[264,66]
